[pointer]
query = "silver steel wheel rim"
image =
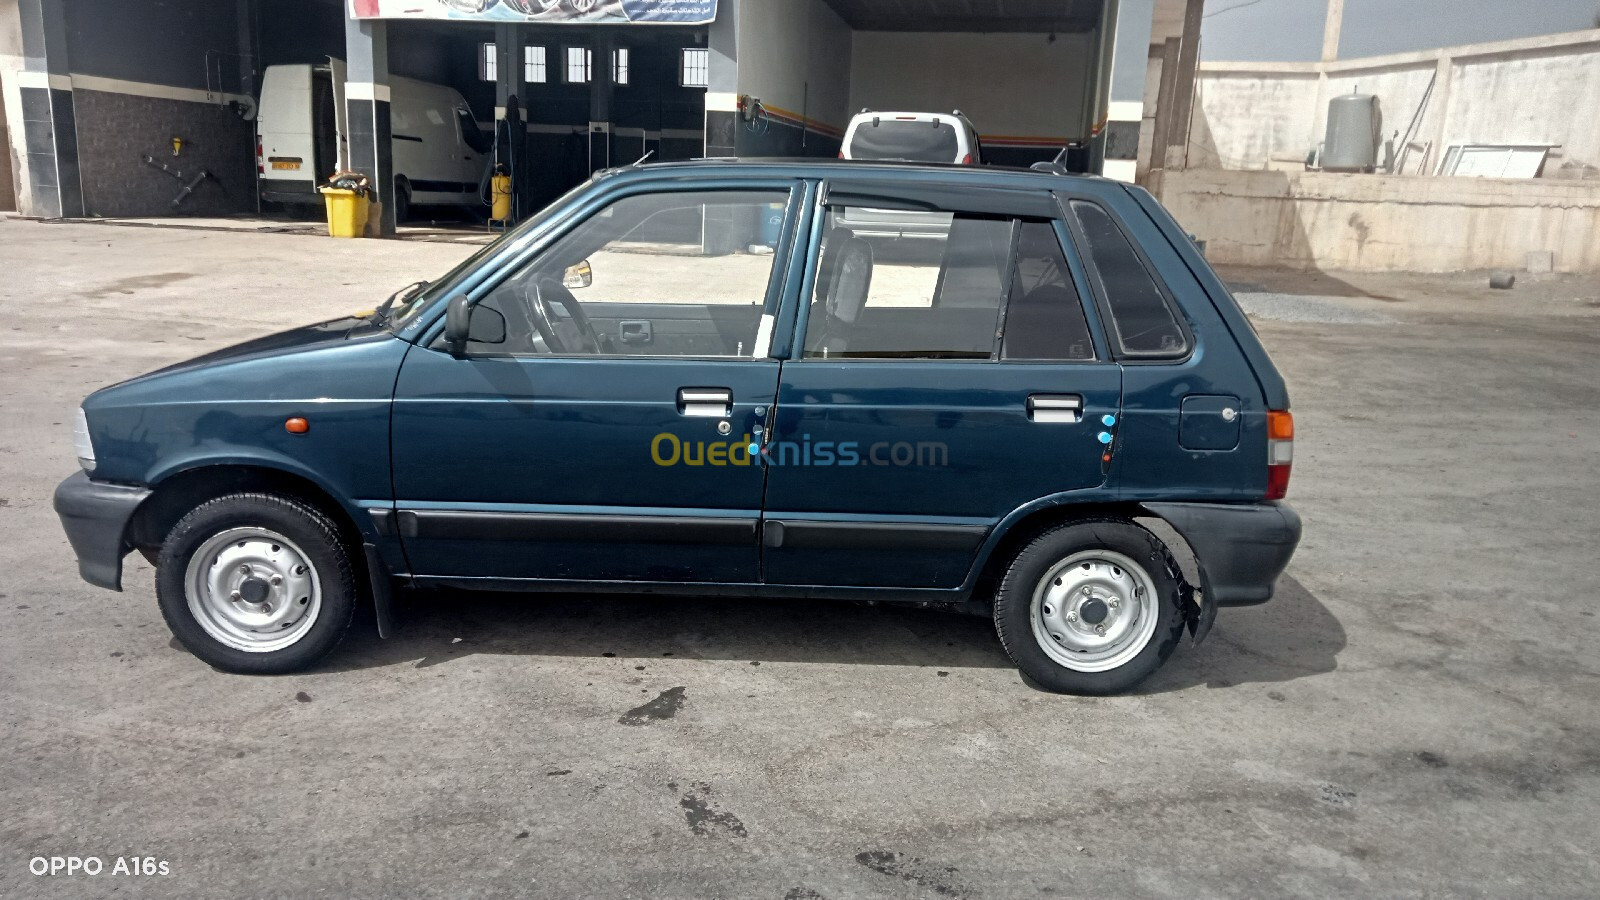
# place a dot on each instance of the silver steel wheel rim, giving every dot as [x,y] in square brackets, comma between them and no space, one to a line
[1094,611]
[253,589]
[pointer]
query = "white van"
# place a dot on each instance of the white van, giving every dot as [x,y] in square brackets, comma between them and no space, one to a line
[440,154]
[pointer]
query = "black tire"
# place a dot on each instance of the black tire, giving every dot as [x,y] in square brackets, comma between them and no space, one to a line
[402,201]
[1014,612]
[311,532]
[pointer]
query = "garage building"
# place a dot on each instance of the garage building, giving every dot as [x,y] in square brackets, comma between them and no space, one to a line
[121,108]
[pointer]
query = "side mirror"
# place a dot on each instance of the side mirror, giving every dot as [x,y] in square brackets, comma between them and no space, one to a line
[464,322]
[458,323]
[578,276]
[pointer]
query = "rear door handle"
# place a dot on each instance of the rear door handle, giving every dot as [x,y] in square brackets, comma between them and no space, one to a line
[715,403]
[1055,408]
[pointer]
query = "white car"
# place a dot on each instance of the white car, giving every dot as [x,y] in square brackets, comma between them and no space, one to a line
[912,137]
[906,137]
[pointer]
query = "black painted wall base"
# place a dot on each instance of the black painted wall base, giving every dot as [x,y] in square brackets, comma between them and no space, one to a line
[118,130]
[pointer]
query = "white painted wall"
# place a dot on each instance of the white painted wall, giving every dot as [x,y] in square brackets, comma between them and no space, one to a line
[13,155]
[794,55]
[1544,90]
[1008,84]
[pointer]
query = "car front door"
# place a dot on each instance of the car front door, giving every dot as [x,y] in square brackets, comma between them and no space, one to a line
[932,389]
[595,427]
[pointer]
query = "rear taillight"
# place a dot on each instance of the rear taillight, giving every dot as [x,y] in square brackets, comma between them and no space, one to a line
[261,168]
[1280,452]
[966,160]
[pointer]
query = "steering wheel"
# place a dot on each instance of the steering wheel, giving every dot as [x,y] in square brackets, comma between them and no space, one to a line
[543,296]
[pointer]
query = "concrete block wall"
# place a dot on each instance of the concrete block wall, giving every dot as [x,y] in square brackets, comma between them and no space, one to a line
[1315,220]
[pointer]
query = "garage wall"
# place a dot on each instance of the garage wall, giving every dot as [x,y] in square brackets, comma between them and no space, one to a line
[13,180]
[1024,92]
[144,72]
[795,56]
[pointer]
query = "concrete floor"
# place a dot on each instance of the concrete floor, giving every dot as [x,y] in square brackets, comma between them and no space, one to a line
[1415,715]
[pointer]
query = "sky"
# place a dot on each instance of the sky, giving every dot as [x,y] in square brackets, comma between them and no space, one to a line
[1291,30]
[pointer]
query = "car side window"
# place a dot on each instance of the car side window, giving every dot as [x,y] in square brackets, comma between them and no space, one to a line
[896,284]
[663,274]
[1044,317]
[1142,322]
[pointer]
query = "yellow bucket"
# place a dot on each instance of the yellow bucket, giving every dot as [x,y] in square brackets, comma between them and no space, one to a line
[347,212]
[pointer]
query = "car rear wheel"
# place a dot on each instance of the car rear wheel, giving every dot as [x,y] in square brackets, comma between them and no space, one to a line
[256,584]
[1090,608]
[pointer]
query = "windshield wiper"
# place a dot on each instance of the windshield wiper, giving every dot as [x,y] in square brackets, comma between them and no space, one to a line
[381,314]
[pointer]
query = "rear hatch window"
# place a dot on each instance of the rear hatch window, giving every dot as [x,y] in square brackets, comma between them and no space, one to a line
[906,140]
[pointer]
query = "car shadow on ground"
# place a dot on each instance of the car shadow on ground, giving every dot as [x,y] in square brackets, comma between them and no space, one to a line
[1292,637]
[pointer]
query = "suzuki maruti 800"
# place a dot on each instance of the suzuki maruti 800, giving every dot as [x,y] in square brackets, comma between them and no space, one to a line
[696,378]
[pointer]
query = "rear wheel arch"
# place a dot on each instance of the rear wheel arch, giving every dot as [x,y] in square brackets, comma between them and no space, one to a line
[1018,530]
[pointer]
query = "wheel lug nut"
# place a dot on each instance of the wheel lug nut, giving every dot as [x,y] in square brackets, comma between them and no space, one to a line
[1072,617]
[1099,629]
[1113,603]
[235,596]
[267,607]
[278,579]
[244,569]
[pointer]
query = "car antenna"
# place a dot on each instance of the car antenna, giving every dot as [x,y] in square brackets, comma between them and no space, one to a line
[640,161]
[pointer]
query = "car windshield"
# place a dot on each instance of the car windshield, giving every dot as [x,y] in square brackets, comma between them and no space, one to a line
[407,308]
[934,141]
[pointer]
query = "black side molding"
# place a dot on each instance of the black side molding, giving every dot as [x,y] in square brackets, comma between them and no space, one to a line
[872,535]
[472,525]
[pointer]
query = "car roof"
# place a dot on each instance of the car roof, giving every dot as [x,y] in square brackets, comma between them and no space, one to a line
[829,167]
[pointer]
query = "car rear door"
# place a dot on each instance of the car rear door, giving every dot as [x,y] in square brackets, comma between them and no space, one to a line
[929,394]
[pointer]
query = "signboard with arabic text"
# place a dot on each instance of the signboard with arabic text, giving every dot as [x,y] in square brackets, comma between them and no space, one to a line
[544,12]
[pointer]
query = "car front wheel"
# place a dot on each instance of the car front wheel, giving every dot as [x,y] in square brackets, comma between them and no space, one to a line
[1091,607]
[256,584]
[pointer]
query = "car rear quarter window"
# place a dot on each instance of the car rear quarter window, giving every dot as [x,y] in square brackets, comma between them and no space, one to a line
[1143,323]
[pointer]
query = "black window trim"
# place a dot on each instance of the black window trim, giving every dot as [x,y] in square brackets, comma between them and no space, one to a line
[1102,302]
[1017,204]
[432,339]
[1100,343]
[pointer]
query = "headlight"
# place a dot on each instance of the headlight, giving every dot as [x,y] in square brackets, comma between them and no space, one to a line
[81,442]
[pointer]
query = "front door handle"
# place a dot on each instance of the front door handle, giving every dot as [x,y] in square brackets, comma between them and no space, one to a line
[1055,408]
[714,403]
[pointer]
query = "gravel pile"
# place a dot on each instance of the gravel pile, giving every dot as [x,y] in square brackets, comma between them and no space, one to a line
[1307,308]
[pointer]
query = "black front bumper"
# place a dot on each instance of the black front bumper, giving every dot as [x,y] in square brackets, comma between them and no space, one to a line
[1240,550]
[95,515]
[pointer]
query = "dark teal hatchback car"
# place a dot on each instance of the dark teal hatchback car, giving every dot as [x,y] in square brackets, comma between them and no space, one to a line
[697,378]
